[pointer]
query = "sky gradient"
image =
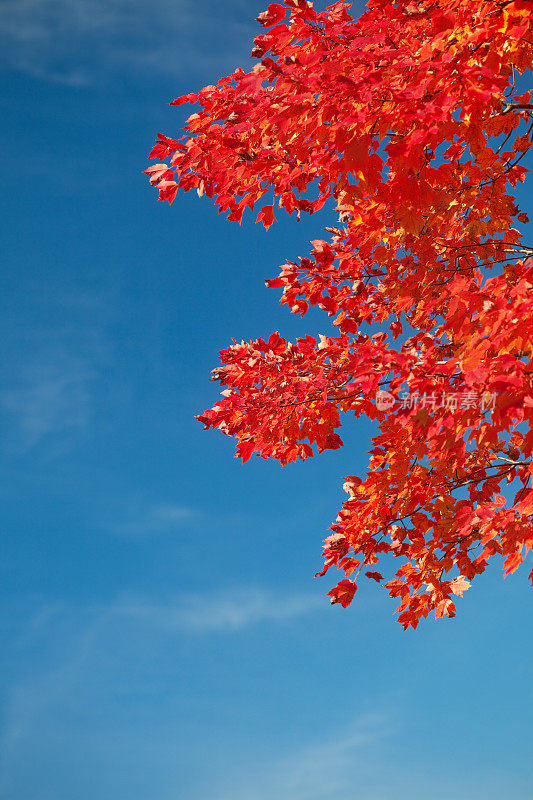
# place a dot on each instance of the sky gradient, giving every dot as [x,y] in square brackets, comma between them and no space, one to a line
[163,636]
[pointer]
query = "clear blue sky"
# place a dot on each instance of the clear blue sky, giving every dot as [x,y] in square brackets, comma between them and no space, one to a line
[163,637]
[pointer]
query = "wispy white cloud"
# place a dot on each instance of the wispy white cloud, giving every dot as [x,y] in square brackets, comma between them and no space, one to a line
[79,41]
[325,768]
[139,522]
[28,701]
[81,708]
[221,611]
[49,394]
[81,651]
[171,513]
[51,368]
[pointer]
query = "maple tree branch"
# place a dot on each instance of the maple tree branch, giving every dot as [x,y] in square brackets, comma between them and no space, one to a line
[514,106]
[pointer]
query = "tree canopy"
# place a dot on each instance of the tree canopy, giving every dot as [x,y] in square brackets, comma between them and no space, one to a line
[412,121]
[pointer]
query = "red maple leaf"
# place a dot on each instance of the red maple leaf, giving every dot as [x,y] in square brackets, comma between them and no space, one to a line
[343,592]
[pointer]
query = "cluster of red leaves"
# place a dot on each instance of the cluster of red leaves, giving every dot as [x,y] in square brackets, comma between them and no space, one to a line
[411,119]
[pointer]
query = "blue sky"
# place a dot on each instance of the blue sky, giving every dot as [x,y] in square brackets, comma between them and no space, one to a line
[163,635]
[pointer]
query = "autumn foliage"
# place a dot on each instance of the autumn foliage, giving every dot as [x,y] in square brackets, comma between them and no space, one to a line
[412,123]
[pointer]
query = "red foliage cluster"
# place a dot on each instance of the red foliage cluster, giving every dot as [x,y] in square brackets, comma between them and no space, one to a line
[412,120]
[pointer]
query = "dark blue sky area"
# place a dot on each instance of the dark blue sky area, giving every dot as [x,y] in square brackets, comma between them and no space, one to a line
[163,634]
